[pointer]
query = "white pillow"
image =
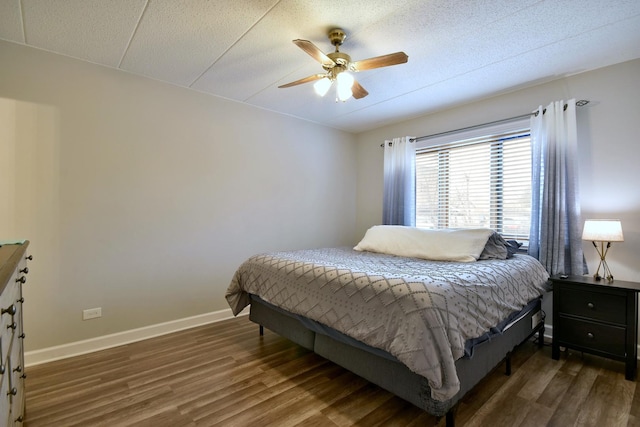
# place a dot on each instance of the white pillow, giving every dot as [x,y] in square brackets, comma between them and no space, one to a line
[463,245]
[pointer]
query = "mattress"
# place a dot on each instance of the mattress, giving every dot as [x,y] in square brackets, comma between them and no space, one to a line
[421,312]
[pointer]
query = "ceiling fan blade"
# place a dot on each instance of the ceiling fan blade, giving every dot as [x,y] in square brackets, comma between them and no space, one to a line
[358,91]
[314,52]
[380,61]
[305,80]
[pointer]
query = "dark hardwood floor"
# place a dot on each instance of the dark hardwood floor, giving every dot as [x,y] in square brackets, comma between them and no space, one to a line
[225,374]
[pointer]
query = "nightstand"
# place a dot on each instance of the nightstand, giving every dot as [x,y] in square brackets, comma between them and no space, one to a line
[596,317]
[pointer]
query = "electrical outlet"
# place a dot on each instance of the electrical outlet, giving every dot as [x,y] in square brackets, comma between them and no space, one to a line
[536,319]
[91,313]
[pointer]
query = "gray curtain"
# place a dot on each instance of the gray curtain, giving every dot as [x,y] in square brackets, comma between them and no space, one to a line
[555,235]
[399,199]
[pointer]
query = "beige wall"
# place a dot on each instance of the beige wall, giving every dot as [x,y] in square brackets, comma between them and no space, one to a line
[142,198]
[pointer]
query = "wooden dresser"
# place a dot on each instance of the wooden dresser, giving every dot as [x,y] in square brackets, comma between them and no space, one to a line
[13,271]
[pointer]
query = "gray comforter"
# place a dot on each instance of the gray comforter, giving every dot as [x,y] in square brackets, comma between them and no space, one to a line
[421,312]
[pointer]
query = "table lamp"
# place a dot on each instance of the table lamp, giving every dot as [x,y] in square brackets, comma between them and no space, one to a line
[602,231]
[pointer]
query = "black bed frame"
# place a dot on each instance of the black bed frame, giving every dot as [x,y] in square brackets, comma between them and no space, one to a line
[388,372]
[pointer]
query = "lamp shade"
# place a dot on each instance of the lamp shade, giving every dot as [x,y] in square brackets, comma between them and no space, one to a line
[602,230]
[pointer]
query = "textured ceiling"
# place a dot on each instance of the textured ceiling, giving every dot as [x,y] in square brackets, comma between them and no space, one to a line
[459,50]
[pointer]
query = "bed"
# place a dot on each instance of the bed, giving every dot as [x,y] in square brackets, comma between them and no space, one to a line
[394,310]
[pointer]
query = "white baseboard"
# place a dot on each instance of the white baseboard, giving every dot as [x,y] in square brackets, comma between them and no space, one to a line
[77,348]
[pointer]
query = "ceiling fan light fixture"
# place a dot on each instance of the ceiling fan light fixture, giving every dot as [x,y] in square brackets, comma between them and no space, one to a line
[345,83]
[321,87]
[335,65]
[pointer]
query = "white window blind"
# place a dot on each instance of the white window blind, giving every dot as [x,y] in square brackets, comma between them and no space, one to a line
[483,182]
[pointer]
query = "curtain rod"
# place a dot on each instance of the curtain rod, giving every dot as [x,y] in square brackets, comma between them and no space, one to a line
[579,103]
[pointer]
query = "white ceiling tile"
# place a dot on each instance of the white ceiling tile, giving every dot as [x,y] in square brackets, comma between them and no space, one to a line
[11,21]
[94,30]
[178,41]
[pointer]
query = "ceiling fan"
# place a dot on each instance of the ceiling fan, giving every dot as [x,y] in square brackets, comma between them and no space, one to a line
[338,65]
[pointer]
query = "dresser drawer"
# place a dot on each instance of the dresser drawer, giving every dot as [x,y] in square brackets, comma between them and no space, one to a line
[6,336]
[593,305]
[592,335]
[8,298]
[16,383]
[17,362]
[5,399]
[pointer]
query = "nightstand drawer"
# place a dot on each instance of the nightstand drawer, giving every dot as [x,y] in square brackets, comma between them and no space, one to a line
[593,305]
[595,336]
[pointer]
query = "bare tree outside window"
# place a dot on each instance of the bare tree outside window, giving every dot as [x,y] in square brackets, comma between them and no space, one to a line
[478,183]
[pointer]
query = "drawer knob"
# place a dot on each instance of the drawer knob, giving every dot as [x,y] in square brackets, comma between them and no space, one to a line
[590,305]
[22,336]
[12,392]
[18,369]
[25,270]
[13,326]
[9,310]
[2,369]
[590,335]
[30,257]
[19,419]
[22,280]
[21,300]
[23,376]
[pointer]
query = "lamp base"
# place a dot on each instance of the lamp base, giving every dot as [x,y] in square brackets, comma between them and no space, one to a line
[602,252]
[608,278]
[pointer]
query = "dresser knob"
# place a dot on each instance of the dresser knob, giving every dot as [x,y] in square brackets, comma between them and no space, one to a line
[21,280]
[12,392]
[13,326]
[22,336]
[2,369]
[21,300]
[25,270]
[23,376]
[590,305]
[19,419]
[18,369]
[9,310]
[30,257]
[590,335]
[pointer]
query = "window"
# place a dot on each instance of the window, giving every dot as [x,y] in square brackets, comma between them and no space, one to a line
[479,182]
